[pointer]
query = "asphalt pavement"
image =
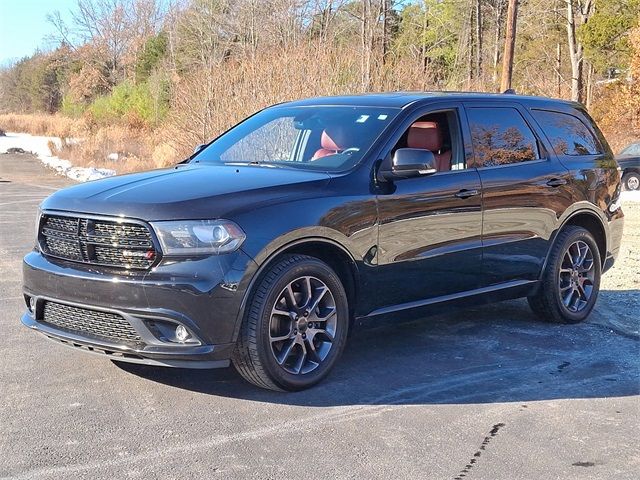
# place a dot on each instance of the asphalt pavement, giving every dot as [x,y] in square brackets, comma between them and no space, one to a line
[482,393]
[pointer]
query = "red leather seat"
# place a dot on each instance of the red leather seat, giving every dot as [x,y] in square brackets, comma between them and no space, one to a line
[332,141]
[428,136]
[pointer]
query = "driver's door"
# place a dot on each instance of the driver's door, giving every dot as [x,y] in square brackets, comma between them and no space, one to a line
[430,227]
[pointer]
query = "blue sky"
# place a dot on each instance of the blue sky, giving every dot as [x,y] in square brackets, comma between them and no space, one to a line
[23,26]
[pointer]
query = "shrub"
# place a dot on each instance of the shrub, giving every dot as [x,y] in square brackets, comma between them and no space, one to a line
[138,106]
[71,108]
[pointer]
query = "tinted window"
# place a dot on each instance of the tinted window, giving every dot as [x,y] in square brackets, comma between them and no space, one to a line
[568,135]
[501,136]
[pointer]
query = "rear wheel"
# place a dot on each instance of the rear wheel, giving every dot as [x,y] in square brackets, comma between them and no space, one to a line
[296,326]
[571,281]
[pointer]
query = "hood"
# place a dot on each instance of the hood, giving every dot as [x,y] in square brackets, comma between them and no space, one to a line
[187,191]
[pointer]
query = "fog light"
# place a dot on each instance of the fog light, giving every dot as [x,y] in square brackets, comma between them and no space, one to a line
[32,304]
[181,333]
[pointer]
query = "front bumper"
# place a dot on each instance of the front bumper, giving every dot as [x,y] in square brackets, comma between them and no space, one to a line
[204,295]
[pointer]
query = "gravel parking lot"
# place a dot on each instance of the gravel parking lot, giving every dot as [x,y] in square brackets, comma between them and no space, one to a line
[482,393]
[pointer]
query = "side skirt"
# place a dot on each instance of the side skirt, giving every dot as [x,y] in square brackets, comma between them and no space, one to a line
[432,306]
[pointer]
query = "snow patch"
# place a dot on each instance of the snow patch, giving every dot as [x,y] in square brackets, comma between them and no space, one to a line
[39,146]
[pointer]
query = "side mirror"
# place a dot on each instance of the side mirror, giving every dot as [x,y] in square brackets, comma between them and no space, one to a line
[411,162]
[198,148]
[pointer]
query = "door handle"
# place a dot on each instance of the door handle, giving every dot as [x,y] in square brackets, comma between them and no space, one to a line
[556,182]
[464,193]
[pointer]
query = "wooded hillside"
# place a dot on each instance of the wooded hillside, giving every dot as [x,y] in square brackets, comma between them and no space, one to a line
[153,78]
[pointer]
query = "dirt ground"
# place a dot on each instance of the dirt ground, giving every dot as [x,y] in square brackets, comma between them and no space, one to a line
[622,282]
[625,275]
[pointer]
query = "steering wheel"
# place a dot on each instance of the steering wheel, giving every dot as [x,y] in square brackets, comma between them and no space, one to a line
[349,151]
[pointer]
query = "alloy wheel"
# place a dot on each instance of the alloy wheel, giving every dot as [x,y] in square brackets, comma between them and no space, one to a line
[576,276]
[303,324]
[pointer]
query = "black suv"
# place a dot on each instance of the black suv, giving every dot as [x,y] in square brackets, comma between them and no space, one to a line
[265,246]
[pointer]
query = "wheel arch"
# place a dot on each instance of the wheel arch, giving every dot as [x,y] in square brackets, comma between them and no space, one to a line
[590,221]
[593,225]
[329,251]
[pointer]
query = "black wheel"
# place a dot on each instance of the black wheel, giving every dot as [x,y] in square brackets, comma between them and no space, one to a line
[631,181]
[571,280]
[295,327]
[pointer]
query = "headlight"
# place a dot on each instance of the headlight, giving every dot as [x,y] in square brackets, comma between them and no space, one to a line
[198,237]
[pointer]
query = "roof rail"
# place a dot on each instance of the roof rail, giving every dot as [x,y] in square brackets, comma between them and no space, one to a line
[509,91]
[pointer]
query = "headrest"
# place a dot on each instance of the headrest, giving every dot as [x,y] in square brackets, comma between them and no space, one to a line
[334,138]
[425,135]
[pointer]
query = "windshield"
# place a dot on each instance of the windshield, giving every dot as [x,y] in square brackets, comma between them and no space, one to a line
[328,138]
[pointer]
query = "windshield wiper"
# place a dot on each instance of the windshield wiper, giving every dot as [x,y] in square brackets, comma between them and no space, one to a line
[257,163]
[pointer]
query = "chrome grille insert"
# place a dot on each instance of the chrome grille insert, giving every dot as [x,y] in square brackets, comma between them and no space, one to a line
[103,242]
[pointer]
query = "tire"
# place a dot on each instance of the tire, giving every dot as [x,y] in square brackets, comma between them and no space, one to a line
[284,343]
[572,272]
[631,181]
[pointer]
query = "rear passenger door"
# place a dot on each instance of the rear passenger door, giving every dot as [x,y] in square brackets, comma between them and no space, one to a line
[524,190]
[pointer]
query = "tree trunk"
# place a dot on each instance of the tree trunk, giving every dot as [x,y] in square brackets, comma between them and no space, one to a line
[423,47]
[498,34]
[326,17]
[478,40]
[369,23]
[385,30]
[509,44]
[583,8]
[470,42]
[364,62]
[558,67]
[575,54]
[589,85]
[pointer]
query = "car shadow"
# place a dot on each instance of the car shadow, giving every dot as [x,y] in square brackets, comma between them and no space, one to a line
[492,353]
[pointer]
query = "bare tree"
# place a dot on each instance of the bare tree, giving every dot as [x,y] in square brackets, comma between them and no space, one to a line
[509,44]
[114,28]
[581,9]
[371,10]
[498,14]
[479,39]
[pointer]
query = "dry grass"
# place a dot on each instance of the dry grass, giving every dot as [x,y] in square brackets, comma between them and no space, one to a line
[44,124]
[136,150]
[88,145]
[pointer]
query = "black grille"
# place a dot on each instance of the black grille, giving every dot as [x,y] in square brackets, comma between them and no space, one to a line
[97,242]
[90,323]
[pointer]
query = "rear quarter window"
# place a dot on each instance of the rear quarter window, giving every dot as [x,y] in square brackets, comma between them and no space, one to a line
[568,134]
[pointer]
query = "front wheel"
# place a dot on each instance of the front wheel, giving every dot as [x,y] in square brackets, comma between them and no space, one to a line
[295,327]
[571,280]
